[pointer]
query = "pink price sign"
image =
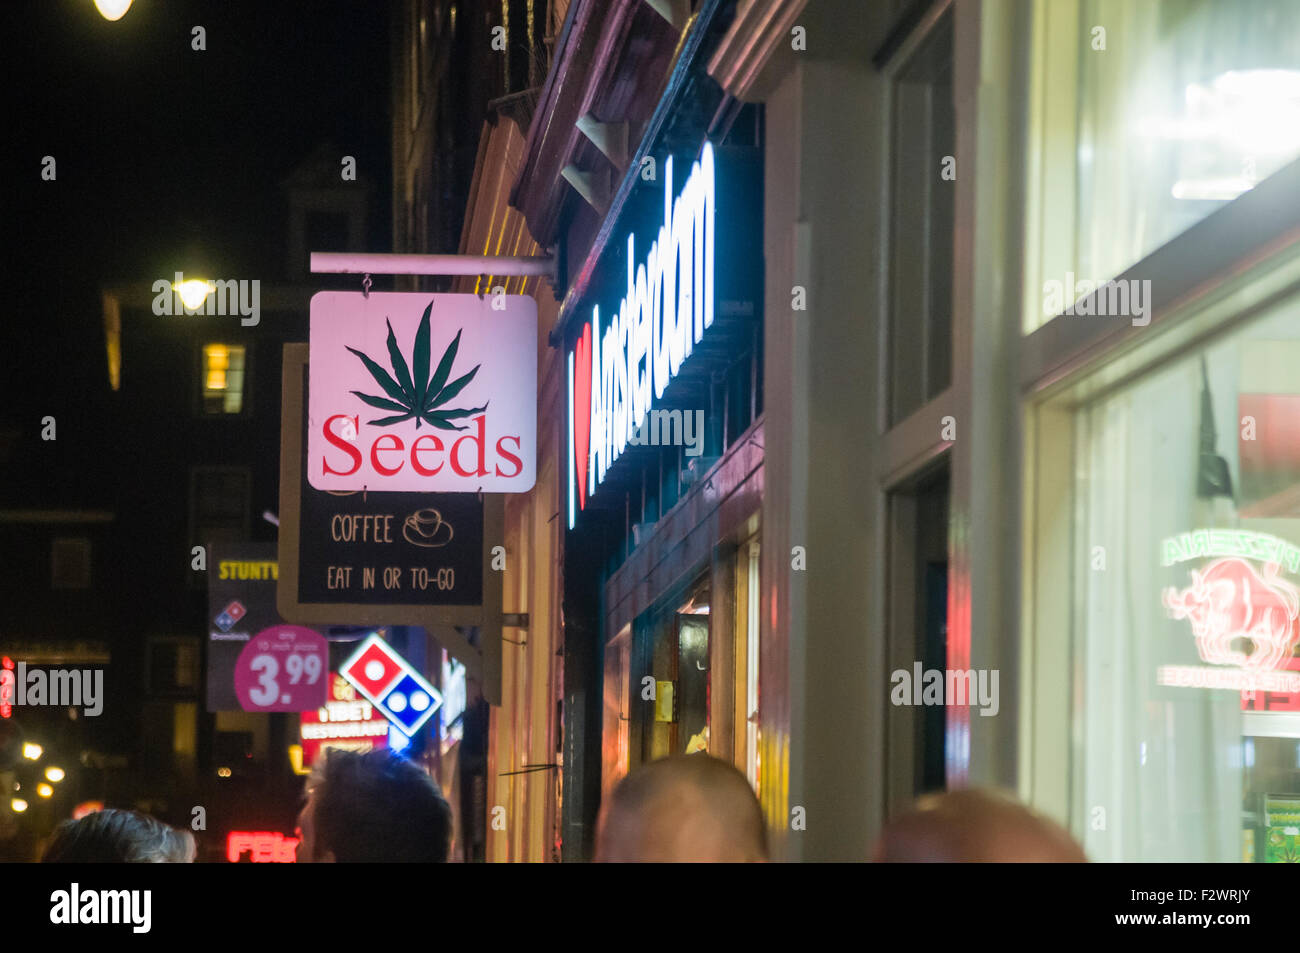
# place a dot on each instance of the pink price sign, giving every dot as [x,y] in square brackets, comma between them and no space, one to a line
[282,668]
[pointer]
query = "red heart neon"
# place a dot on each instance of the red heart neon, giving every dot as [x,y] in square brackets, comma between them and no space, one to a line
[582,411]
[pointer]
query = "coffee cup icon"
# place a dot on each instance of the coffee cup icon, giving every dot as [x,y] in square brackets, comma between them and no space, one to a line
[427,528]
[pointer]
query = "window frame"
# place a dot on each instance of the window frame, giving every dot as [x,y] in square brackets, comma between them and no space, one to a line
[1208,283]
[918,26]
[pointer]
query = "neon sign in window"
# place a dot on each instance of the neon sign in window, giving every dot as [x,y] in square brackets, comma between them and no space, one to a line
[1244,616]
[263,847]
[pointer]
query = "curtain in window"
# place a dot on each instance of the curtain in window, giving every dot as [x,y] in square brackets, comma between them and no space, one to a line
[1189,103]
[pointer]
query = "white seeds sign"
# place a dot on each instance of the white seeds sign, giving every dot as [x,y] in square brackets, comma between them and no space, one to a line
[434,392]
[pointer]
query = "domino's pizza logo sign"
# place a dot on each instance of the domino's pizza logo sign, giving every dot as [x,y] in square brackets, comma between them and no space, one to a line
[392,685]
[230,615]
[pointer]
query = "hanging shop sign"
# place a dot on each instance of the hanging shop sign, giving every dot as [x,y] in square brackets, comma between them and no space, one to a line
[282,669]
[388,558]
[392,684]
[1243,614]
[625,358]
[345,721]
[242,579]
[420,392]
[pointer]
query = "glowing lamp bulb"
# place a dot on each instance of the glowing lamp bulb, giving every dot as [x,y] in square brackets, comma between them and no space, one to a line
[32,751]
[112,9]
[44,790]
[54,774]
[193,291]
[18,804]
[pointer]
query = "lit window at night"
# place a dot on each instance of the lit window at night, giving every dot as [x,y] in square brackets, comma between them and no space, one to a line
[223,379]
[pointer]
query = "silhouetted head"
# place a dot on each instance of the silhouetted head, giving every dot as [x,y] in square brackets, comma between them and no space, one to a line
[975,826]
[684,808]
[375,807]
[119,837]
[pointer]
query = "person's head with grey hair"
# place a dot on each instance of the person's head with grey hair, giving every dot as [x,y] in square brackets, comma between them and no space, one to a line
[114,836]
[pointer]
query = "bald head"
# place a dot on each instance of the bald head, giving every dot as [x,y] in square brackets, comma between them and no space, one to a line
[687,808]
[975,826]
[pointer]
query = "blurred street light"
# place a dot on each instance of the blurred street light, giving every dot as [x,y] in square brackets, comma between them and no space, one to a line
[18,804]
[54,774]
[44,790]
[193,291]
[112,9]
[32,751]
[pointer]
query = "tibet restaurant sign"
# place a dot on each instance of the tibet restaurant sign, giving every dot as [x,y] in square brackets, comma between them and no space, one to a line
[622,362]
[422,392]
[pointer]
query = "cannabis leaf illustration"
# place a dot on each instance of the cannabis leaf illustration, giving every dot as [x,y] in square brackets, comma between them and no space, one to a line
[418,395]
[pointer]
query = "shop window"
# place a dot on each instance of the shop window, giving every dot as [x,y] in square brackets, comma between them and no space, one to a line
[923,146]
[614,734]
[1186,708]
[221,378]
[674,652]
[1144,119]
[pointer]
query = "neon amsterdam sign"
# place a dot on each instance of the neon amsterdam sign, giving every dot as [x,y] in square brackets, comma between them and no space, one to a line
[617,373]
[1233,606]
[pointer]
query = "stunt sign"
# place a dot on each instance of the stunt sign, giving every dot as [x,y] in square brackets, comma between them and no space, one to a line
[282,669]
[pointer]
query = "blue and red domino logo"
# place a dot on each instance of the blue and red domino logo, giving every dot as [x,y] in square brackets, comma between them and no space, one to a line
[392,685]
[230,615]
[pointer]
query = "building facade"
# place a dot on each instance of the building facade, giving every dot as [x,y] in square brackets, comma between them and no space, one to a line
[1020,378]
[1065,467]
[920,403]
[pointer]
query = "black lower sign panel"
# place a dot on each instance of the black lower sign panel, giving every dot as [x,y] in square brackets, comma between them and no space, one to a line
[388,548]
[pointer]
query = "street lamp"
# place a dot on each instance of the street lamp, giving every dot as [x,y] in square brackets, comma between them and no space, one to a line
[112,9]
[44,790]
[193,291]
[32,751]
[18,804]
[54,774]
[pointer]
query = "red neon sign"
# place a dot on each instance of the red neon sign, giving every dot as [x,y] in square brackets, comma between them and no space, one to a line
[1228,603]
[6,687]
[264,847]
[1275,698]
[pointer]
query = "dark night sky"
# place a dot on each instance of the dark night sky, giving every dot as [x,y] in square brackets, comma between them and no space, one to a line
[168,159]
